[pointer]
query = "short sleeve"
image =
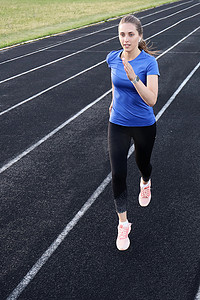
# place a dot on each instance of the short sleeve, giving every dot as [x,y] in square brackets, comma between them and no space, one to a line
[110,58]
[152,68]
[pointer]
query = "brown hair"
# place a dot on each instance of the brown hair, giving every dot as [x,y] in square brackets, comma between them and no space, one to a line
[142,44]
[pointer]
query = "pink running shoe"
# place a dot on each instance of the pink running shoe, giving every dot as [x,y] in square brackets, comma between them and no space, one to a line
[123,241]
[145,193]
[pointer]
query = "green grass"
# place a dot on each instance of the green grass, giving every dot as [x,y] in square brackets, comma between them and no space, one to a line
[22,20]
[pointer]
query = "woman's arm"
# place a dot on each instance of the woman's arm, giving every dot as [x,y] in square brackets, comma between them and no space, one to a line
[148,93]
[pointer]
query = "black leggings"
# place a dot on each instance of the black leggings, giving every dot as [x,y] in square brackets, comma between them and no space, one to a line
[119,140]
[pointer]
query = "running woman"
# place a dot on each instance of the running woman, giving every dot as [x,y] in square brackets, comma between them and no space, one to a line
[134,76]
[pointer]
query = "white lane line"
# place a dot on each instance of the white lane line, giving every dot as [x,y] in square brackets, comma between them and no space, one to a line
[175,24]
[177,92]
[31,148]
[198,295]
[92,46]
[50,88]
[173,46]
[41,141]
[86,35]
[166,9]
[56,45]
[47,254]
[88,69]
[163,18]
[56,60]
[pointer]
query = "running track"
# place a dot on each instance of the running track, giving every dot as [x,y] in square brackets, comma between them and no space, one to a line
[58,226]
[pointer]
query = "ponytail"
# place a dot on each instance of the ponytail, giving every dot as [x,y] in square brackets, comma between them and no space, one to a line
[145,46]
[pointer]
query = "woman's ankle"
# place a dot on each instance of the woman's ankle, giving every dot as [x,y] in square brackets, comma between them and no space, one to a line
[122,217]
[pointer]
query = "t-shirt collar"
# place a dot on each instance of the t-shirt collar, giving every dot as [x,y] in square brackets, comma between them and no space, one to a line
[120,53]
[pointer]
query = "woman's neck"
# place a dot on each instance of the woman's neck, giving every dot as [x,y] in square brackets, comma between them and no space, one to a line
[130,55]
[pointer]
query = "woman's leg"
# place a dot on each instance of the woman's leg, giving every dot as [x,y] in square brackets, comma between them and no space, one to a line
[118,145]
[144,138]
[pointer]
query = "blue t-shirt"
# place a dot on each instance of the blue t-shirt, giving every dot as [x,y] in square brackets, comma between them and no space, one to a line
[128,107]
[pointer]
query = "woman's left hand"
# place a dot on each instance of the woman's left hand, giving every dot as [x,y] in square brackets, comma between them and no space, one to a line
[129,70]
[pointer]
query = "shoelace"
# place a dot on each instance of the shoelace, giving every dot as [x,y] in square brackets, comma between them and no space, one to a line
[145,192]
[123,232]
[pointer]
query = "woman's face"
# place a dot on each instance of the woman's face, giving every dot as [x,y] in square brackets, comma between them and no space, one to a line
[128,36]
